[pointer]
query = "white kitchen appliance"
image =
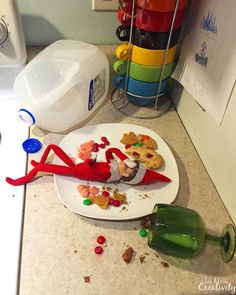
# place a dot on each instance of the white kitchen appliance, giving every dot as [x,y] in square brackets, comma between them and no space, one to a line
[12,156]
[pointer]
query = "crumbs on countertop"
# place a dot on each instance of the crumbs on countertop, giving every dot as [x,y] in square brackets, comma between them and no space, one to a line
[165,264]
[146,222]
[87,279]
[128,255]
[142,258]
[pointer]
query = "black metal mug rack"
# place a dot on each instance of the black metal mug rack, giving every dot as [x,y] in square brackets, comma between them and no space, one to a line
[119,96]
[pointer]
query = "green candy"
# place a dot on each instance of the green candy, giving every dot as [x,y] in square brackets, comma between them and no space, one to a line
[138,144]
[143,233]
[87,202]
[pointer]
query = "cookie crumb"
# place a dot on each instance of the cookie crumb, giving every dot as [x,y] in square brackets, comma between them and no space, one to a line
[165,264]
[124,209]
[146,196]
[128,254]
[142,258]
[87,279]
[75,251]
[146,222]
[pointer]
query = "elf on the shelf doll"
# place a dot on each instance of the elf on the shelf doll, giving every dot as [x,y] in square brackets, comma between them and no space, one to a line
[125,170]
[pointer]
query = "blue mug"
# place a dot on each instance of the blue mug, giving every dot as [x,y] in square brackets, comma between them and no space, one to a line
[140,88]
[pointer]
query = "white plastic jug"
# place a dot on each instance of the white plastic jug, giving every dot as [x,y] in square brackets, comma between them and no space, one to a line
[63,85]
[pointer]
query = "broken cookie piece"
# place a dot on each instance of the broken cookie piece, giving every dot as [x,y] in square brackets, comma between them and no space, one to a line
[128,255]
[87,279]
[129,138]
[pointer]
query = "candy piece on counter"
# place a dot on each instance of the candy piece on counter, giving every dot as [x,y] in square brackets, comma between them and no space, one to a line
[101,239]
[32,145]
[98,250]
[143,233]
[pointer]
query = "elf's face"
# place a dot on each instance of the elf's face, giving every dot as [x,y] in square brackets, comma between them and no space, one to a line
[124,170]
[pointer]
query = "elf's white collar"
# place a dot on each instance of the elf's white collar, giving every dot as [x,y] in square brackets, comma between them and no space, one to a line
[115,175]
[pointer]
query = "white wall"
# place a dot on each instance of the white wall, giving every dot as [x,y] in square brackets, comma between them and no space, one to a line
[216,145]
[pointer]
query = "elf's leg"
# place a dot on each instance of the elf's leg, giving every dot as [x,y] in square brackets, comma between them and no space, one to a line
[59,152]
[44,167]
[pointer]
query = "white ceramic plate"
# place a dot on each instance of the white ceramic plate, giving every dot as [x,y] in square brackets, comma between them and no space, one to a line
[141,199]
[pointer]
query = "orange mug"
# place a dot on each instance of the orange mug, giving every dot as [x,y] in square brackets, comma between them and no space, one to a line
[152,21]
[161,5]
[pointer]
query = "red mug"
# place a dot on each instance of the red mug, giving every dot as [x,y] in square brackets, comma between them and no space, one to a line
[151,21]
[158,5]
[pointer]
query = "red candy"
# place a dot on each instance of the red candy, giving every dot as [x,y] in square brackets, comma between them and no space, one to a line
[103,139]
[102,145]
[127,146]
[98,250]
[111,201]
[101,240]
[95,147]
[105,193]
[149,155]
[116,203]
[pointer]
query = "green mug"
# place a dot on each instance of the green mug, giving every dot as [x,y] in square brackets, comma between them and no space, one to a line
[143,73]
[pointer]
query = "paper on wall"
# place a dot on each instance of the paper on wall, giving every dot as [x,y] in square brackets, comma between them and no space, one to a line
[207,63]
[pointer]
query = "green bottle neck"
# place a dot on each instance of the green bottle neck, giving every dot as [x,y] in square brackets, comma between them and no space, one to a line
[214,240]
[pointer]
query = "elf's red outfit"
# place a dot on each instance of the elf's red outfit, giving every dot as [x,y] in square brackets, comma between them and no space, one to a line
[90,169]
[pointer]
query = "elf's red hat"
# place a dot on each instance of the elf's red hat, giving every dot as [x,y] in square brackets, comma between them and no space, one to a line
[114,151]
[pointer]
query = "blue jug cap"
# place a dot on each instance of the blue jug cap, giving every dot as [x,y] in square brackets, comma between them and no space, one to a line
[32,145]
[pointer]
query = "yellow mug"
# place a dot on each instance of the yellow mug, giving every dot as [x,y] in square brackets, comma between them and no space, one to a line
[146,57]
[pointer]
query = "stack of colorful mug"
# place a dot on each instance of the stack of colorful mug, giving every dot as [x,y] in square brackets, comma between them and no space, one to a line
[148,59]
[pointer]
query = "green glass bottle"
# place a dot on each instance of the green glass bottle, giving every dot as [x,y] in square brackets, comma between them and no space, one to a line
[181,232]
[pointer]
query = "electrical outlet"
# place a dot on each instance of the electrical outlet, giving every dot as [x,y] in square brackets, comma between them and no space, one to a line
[105,5]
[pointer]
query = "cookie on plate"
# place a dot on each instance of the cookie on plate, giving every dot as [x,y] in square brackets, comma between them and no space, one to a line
[150,158]
[129,138]
[100,200]
[147,141]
